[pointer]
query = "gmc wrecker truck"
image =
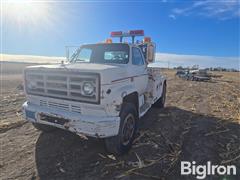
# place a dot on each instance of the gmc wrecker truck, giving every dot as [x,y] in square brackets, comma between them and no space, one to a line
[102,91]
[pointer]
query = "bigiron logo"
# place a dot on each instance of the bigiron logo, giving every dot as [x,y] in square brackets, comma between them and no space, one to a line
[201,171]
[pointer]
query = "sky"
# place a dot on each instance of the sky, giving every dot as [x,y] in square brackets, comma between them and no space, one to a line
[185,29]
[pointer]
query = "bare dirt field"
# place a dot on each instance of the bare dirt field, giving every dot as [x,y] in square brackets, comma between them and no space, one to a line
[201,122]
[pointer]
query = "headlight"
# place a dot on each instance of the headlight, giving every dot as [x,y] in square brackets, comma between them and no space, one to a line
[88,88]
[31,85]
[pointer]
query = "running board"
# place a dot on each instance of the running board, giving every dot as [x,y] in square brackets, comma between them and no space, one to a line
[144,108]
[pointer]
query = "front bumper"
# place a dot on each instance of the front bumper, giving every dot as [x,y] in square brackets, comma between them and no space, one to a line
[89,125]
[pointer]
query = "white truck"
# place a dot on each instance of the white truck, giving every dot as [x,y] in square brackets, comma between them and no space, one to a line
[102,91]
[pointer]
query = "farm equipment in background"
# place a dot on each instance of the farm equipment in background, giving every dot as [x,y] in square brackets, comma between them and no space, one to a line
[194,75]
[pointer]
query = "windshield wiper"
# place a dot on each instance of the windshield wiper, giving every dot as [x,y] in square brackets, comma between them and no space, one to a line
[80,60]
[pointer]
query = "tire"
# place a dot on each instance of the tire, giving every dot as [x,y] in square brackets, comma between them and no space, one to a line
[122,143]
[43,127]
[161,101]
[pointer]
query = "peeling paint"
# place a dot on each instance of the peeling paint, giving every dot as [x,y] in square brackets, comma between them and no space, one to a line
[94,125]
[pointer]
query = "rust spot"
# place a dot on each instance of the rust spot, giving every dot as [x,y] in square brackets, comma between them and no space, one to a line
[66,125]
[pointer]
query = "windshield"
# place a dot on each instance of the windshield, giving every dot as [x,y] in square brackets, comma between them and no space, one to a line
[102,53]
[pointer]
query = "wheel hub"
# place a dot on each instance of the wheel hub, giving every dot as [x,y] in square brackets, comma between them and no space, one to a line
[128,129]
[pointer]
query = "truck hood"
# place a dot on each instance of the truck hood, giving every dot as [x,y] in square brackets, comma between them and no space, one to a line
[108,72]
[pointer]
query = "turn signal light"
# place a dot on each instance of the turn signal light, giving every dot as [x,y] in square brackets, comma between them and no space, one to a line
[147,40]
[108,40]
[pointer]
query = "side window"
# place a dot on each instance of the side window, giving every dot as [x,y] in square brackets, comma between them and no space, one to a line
[115,56]
[137,58]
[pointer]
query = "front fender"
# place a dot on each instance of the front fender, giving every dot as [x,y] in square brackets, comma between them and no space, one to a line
[114,99]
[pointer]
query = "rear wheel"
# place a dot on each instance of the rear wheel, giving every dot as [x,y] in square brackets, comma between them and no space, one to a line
[121,143]
[161,101]
[43,127]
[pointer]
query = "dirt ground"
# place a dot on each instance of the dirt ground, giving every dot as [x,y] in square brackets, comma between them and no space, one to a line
[201,122]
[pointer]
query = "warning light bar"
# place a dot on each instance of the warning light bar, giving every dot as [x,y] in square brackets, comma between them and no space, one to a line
[131,33]
[127,34]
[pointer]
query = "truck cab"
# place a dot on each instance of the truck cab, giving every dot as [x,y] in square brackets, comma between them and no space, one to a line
[101,91]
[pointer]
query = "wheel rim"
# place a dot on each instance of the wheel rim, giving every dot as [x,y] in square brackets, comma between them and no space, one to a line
[128,129]
[164,94]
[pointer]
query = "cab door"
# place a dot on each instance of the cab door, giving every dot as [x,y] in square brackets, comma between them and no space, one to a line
[139,70]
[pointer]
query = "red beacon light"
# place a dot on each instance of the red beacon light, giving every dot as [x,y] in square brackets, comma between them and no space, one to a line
[116,34]
[136,33]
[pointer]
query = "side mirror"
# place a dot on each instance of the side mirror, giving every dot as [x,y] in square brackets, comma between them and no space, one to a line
[151,52]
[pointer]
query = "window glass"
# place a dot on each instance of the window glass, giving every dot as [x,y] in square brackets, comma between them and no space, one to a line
[102,53]
[84,55]
[115,55]
[137,57]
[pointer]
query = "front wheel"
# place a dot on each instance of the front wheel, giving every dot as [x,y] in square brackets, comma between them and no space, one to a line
[161,101]
[121,143]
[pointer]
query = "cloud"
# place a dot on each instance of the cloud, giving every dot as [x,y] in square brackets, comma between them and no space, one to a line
[163,59]
[172,16]
[174,60]
[30,58]
[221,9]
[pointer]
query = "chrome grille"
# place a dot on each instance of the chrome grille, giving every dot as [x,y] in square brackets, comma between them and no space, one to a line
[76,109]
[61,106]
[62,85]
[43,103]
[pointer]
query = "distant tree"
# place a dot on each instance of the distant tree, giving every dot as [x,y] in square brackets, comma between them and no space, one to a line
[179,67]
